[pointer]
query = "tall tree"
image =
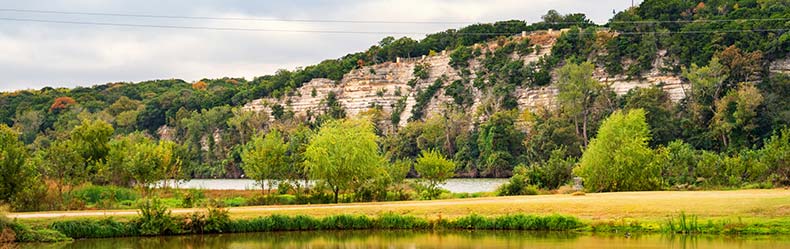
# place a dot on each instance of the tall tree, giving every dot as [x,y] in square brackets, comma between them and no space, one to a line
[500,144]
[735,116]
[65,165]
[94,137]
[577,96]
[265,160]
[343,154]
[15,173]
[619,159]
[142,163]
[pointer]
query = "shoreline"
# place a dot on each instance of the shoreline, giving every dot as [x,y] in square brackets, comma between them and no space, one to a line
[704,212]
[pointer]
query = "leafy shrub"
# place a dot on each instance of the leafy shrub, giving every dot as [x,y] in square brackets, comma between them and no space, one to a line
[422,70]
[424,98]
[460,57]
[519,183]
[192,197]
[155,219]
[214,220]
[105,196]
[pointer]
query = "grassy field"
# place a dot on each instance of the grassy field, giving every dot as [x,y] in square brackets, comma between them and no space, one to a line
[746,205]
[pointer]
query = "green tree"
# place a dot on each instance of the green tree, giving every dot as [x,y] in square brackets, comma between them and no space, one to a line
[93,137]
[247,122]
[660,112]
[170,161]
[557,170]
[434,169]
[265,159]
[619,158]
[343,154]
[680,161]
[65,165]
[397,172]
[142,163]
[15,172]
[114,170]
[28,123]
[735,116]
[776,154]
[500,144]
[578,93]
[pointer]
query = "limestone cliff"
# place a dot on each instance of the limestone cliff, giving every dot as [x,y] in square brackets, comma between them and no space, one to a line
[384,85]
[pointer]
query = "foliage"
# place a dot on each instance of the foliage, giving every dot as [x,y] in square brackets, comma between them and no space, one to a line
[422,71]
[16,174]
[460,56]
[434,169]
[343,154]
[92,228]
[155,219]
[776,154]
[265,159]
[618,159]
[519,184]
[499,143]
[424,98]
[579,94]
[660,113]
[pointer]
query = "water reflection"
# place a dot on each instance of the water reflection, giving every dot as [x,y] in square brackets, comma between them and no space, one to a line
[409,239]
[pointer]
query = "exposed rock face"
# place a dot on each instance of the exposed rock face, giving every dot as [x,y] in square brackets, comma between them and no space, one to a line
[781,66]
[383,85]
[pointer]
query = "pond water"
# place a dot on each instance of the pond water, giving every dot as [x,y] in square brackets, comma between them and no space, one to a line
[455,185]
[407,239]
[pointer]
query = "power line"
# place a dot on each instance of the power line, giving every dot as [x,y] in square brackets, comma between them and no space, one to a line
[348,21]
[346,31]
[231,18]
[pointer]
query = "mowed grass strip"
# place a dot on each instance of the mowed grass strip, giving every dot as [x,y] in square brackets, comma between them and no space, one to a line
[644,206]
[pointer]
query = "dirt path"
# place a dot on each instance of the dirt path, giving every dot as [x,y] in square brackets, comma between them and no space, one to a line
[770,203]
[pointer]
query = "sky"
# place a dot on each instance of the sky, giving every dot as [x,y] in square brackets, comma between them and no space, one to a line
[35,54]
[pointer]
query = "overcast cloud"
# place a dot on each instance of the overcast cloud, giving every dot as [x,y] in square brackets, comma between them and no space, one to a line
[34,55]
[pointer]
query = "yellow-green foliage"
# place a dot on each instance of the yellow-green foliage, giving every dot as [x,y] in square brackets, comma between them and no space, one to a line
[618,159]
[434,169]
[344,154]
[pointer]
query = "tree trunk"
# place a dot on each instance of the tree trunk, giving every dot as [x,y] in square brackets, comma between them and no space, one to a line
[584,129]
[336,190]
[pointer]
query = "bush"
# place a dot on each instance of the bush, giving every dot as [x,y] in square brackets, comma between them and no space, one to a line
[618,158]
[155,219]
[104,196]
[519,183]
[192,197]
[214,220]
[422,70]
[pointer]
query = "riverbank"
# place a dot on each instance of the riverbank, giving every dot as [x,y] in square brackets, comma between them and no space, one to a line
[653,205]
[731,212]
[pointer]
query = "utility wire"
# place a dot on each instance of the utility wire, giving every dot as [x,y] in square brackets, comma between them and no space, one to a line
[231,18]
[348,21]
[346,31]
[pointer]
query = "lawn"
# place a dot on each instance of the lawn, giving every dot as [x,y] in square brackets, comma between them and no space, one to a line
[746,205]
